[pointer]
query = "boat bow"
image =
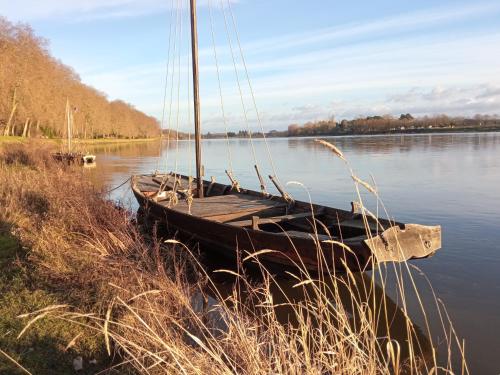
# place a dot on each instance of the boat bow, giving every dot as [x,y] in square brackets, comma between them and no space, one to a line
[399,244]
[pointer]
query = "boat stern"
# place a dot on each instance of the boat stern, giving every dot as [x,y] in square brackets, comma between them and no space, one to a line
[399,244]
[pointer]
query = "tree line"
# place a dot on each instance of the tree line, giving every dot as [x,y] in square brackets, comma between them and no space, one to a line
[390,124]
[405,123]
[34,89]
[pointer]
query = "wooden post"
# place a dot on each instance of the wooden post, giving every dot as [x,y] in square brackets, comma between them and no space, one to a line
[196,97]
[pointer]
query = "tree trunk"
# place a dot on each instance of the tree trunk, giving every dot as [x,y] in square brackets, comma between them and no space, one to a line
[14,107]
[29,129]
[7,129]
[25,130]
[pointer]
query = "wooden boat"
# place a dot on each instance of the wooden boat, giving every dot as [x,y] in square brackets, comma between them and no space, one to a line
[88,159]
[70,156]
[228,219]
[74,158]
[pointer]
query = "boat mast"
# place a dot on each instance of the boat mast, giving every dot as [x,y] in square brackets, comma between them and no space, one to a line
[196,97]
[68,121]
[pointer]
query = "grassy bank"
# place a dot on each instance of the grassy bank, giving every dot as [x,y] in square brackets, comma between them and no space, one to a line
[9,139]
[82,279]
[103,141]
[100,141]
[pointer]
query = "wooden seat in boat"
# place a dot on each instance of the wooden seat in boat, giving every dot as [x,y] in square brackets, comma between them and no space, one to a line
[359,224]
[272,219]
[306,235]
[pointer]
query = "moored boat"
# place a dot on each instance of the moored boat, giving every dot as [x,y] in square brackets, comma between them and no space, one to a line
[298,234]
[276,229]
[70,156]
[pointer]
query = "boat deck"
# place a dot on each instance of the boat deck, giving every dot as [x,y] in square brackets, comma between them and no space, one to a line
[226,207]
[219,207]
[146,184]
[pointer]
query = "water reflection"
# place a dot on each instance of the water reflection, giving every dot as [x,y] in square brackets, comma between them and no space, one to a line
[346,294]
[132,149]
[400,143]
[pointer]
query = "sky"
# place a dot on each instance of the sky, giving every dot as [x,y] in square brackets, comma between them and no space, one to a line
[306,60]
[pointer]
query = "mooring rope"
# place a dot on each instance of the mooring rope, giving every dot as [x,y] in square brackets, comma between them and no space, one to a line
[117,187]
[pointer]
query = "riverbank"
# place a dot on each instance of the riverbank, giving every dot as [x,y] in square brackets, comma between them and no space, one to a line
[13,139]
[66,252]
[105,141]
[88,282]
[86,142]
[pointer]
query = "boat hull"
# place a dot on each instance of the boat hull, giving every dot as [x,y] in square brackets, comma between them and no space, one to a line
[311,252]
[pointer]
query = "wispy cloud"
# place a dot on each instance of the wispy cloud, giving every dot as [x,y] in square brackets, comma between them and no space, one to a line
[77,10]
[388,26]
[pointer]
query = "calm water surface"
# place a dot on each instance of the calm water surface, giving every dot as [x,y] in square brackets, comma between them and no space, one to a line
[447,179]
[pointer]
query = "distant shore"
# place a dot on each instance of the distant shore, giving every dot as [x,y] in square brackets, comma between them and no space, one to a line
[354,134]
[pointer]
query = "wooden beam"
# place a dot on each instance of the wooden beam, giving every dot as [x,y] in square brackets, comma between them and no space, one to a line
[271,220]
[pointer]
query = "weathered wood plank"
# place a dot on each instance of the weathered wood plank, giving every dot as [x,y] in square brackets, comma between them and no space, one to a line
[226,205]
[270,220]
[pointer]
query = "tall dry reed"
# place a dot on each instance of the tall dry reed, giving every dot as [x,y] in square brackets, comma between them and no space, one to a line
[157,308]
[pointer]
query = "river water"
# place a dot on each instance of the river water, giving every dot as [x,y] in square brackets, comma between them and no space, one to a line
[448,179]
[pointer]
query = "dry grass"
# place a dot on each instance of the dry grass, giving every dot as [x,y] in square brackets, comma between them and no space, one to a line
[134,292]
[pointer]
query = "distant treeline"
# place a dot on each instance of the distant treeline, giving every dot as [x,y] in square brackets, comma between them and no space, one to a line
[34,88]
[390,124]
[406,123]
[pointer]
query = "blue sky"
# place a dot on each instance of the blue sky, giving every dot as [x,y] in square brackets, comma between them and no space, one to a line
[307,60]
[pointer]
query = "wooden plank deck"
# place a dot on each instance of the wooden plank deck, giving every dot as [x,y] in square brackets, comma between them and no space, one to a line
[146,183]
[226,205]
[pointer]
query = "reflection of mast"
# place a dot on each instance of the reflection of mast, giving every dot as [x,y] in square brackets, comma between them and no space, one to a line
[196,98]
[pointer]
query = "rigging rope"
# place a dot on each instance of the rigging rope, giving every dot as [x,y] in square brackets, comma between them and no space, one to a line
[166,83]
[271,161]
[239,85]
[190,157]
[172,86]
[220,88]
[178,93]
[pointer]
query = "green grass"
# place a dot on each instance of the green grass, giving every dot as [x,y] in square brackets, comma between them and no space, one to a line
[41,350]
[9,139]
[100,141]
[112,140]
